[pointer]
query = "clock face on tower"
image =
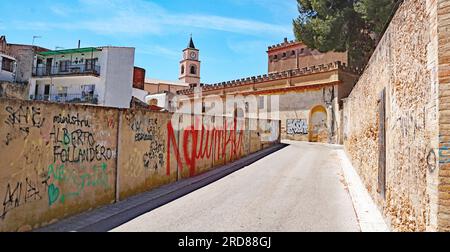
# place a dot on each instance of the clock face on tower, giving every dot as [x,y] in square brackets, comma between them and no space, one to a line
[193,55]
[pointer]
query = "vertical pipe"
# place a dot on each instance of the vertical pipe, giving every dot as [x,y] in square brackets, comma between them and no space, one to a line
[249,134]
[213,139]
[180,118]
[118,149]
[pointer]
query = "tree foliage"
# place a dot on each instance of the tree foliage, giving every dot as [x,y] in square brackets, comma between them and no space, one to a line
[343,25]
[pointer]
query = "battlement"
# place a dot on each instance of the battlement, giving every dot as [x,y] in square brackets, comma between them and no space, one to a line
[275,76]
[285,44]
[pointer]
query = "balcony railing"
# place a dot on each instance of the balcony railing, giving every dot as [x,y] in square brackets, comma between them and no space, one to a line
[67,98]
[79,69]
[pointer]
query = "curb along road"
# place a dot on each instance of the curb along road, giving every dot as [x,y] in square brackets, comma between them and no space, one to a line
[108,217]
[369,217]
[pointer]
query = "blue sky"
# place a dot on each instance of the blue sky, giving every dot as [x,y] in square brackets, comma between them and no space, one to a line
[232,35]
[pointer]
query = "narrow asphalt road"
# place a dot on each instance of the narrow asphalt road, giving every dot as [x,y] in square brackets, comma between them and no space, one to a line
[299,188]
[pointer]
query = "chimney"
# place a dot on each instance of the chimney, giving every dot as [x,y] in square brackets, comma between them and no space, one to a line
[79,44]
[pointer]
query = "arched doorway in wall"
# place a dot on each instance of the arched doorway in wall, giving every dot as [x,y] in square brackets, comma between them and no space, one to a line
[318,129]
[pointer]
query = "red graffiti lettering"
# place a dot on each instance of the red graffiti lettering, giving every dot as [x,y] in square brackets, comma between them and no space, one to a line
[202,144]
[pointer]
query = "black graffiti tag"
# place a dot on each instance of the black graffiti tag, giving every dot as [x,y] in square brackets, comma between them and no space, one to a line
[297,127]
[24,117]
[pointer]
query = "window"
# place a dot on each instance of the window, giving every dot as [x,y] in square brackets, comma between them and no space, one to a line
[261,102]
[292,53]
[90,64]
[46,92]
[284,55]
[62,91]
[64,65]
[36,90]
[275,57]
[87,91]
[182,69]
[193,69]
[8,65]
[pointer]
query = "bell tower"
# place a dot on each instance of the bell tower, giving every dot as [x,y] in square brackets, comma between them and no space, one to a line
[190,64]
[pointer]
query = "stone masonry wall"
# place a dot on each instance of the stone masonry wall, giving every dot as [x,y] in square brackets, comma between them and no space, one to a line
[14,90]
[405,65]
[444,114]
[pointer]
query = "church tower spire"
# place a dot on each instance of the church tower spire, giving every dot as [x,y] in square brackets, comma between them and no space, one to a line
[190,64]
[191,43]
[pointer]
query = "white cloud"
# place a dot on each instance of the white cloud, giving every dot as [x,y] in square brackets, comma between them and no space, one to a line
[244,26]
[122,24]
[59,10]
[279,8]
[128,17]
[157,50]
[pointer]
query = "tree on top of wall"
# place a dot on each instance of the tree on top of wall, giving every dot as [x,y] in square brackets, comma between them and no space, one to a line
[355,26]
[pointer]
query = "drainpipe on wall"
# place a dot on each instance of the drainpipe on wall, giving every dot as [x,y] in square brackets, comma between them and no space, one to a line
[330,107]
[15,71]
[119,147]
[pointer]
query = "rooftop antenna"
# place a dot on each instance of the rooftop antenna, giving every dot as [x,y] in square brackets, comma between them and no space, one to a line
[34,38]
[58,47]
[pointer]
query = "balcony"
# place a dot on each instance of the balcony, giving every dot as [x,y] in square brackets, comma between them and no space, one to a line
[68,70]
[67,98]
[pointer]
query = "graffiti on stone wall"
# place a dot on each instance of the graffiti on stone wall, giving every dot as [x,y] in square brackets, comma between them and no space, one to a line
[146,131]
[431,160]
[64,160]
[19,193]
[78,159]
[412,122]
[22,118]
[67,182]
[58,183]
[297,127]
[201,144]
[78,144]
[444,150]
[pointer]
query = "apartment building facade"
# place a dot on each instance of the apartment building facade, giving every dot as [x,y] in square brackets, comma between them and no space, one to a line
[92,75]
[7,68]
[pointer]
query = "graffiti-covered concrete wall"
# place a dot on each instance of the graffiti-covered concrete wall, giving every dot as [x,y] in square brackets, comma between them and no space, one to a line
[142,152]
[58,160]
[390,120]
